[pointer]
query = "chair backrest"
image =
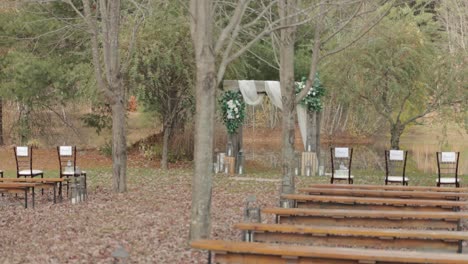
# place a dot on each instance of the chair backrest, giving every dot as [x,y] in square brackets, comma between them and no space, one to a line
[395,163]
[23,158]
[66,154]
[341,159]
[447,164]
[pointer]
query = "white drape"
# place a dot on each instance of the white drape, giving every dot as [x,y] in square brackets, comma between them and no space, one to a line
[273,90]
[249,92]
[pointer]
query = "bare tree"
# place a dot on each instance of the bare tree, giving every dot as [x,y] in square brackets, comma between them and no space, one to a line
[286,46]
[213,56]
[102,18]
[327,25]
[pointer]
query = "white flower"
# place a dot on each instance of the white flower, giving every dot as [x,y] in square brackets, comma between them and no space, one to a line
[229,116]
[237,116]
[313,93]
[236,110]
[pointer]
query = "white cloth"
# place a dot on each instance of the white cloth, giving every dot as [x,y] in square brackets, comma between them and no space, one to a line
[249,92]
[273,90]
[302,120]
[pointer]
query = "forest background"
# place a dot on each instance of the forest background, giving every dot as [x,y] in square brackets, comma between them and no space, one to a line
[122,76]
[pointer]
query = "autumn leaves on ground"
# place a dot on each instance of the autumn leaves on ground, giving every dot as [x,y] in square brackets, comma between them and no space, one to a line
[150,221]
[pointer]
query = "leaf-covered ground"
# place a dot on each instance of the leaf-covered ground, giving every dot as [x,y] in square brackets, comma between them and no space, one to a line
[151,220]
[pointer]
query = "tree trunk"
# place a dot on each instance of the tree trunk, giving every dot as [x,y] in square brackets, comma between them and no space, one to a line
[395,134]
[165,150]
[287,7]
[202,181]
[119,146]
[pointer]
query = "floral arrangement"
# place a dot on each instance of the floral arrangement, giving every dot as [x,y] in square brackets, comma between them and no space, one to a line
[312,101]
[233,110]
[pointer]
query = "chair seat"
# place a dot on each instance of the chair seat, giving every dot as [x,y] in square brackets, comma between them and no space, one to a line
[448,180]
[71,173]
[396,178]
[342,177]
[28,172]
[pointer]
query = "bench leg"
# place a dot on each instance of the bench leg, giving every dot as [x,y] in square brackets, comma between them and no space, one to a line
[26,198]
[85,186]
[55,196]
[33,197]
[209,257]
[42,176]
[60,191]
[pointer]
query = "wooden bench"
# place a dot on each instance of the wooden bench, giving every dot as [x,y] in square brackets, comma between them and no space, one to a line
[424,240]
[368,218]
[251,252]
[23,188]
[45,183]
[391,187]
[341,202]
[427,195]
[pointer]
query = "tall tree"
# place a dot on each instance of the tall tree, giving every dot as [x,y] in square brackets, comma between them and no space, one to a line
[163,70]
[330,19]
[102,18]
[246,21]
[286,48]
[397,70]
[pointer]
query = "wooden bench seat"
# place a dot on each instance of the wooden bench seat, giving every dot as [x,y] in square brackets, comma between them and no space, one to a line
[46,183]
[368,218]
[342,202]
[391,187]
[35,180]
[429,195]
[22,188]
[251,252]
[425,240]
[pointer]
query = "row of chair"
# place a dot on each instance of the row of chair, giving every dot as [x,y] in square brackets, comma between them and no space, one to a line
[395,166]
[66,159]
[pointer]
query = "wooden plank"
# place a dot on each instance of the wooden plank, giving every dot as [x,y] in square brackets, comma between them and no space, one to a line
[366,213]
[314,254]
[355,231]
[392,202]
[309,158]
[391,187]
[369,222]
[18,185]
[385,193]
[33,180]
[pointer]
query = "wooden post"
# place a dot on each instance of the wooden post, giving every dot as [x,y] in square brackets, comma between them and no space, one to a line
[230,163]
[313,134]
[236,140]
[309,159]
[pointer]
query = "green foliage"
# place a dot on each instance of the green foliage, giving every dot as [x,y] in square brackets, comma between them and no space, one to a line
[233,110]
[313,99]
[100,118]
[163,66]
[106,149]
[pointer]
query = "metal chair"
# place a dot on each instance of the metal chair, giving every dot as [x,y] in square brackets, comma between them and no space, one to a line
[395,166]
[341,159]
[67,165]
[447,168]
